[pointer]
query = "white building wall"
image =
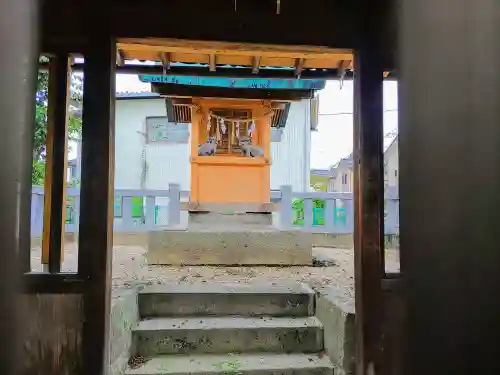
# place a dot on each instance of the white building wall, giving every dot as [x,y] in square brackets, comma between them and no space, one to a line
[166,162]
[391,167]
[129,124]
[292,155]
[169,163]
[331,184]
[342,183]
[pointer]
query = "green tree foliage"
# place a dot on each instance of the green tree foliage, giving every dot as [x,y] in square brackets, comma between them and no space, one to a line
[40,131]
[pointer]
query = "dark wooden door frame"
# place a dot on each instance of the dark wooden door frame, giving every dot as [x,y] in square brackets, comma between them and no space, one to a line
[93,277]
[18,63]
[368,209]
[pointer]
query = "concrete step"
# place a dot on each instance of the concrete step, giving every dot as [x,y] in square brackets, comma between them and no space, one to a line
[291,299]
[248,364]
[229,245]
[211,218]
[231,226]
[227,335]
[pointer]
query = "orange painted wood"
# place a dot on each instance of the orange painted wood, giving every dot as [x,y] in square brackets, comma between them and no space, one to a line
[230,160]
[230,178]
[264,128]
[232,184]
[195,140]
[191,51]
[57,128]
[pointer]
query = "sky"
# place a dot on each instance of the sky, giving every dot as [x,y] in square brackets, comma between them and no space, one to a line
[333,139]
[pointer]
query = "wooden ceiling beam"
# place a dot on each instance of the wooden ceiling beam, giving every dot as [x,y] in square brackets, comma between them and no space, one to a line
[202,71]
[255,64]
[230,48]
[269,29]
[240,60]
[326,74]
[63,27]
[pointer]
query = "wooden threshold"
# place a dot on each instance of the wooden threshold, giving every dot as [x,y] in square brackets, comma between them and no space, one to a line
[230,160]
[52,283]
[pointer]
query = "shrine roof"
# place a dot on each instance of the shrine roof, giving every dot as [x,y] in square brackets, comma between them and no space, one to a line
[216,54]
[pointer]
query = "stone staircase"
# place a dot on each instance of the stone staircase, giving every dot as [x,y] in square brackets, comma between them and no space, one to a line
[228,329]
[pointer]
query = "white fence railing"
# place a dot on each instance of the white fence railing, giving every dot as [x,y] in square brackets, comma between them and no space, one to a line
[149,210]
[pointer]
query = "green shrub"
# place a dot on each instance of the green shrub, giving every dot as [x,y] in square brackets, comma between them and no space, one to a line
[318,211]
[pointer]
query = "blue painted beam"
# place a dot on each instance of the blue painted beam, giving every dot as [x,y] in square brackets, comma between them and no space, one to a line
[257,83]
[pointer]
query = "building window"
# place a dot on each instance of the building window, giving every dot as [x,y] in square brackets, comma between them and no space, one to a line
[395,173]
[159,129]
[344,179]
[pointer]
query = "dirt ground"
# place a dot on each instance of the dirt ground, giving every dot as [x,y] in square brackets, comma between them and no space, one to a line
[130,269]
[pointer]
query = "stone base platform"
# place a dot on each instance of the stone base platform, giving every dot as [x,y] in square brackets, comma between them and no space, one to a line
[209,219]
[229,245]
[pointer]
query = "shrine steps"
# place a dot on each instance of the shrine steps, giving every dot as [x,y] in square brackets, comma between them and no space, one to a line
[256,299]
[228,329]
[248,364]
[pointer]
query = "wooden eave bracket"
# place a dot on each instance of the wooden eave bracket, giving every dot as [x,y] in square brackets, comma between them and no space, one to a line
[299,67]
[165,60]
[120,57]
[342,70]
[255,64]
[212,62]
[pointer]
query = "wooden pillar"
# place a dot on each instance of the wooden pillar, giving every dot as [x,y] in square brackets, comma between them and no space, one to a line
[264,140]
[264,124]
[54,212]
[96,213]
[18,63]
[368,203]
[450,184]
[198,117]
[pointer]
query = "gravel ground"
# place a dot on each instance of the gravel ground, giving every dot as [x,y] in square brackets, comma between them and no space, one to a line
[130,269]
